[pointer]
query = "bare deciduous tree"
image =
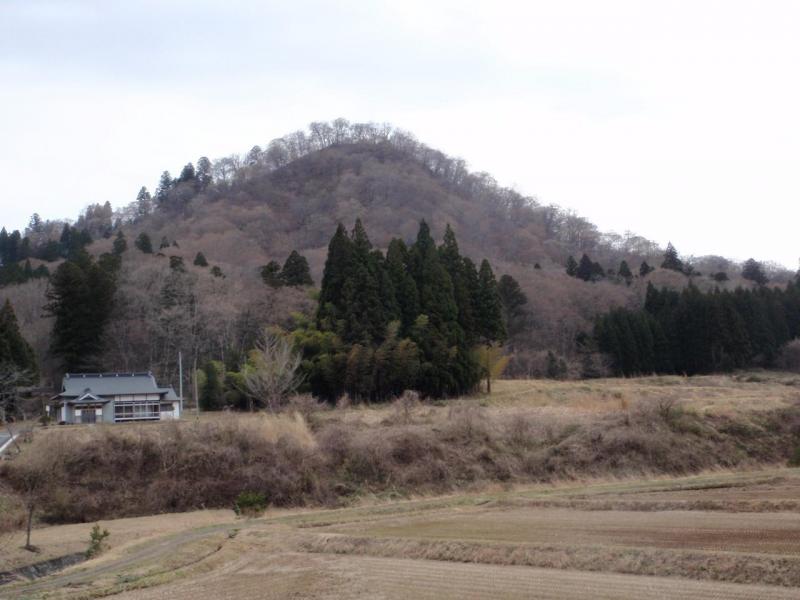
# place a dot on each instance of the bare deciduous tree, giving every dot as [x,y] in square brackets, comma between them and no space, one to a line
[34,475]
[270,375]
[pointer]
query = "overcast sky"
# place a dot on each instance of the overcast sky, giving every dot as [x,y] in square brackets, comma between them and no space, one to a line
[677,120]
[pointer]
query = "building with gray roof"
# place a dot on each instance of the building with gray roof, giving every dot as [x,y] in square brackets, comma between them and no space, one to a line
[113,398]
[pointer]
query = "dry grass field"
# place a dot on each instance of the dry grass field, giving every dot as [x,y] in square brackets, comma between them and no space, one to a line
[501,544]
[730,531]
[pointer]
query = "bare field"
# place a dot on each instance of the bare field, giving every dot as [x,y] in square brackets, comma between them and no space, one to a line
[719,394]
[68,539]
[601,527]
[776,533]
[489,545]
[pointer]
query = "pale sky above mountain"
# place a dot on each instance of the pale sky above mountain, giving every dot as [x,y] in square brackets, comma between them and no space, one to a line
[678,120]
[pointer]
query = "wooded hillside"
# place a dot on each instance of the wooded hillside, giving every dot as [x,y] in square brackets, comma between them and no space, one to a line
[193,253]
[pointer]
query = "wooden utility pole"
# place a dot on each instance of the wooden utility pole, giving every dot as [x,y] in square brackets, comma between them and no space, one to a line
[196,395]
[180,378]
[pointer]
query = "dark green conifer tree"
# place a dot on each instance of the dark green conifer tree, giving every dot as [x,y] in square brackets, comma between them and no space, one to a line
[572,266]
[212,394]
[435,287]
[165,185]
[488,307]
[80,297]
[464,291]
[625,272]
[14,349]
[176,264]
[586,269]
[271,274]
[405,289]
[295,270]
[200,260]
[512,301]
[753,271]
[120,243]
[671,259]
[337,264]
[144,244]
[365,319]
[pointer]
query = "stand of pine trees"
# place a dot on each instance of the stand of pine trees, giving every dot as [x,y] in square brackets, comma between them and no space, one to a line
[693,332]
[295,272]
[407,320]
[15,352]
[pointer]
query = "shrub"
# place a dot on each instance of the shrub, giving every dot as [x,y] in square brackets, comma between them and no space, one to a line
[249,462]
[306,406]
[97,538]
[250,503]
[405,406]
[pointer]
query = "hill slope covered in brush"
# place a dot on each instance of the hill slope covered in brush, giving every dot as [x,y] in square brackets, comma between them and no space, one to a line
[242,212]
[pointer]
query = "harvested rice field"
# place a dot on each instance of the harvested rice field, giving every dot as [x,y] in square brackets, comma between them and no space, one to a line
[656,538]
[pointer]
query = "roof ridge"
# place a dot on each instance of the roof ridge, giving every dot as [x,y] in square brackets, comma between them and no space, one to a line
[109,374]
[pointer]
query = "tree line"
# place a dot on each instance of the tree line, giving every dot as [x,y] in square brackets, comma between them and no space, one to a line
[693,332]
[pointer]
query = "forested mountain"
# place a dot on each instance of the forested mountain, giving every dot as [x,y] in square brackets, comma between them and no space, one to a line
[228,246]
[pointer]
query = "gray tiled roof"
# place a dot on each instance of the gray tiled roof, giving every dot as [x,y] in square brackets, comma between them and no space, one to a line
[112,384]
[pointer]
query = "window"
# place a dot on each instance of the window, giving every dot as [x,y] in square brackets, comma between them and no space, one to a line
[136,411]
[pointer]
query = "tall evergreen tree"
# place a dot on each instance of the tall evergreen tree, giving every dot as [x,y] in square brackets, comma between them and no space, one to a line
[671,259]
[14,349]
[165,185]
[187,174]
[433,281]
[340,253]
[80,298]
[120,243]
[572,266]
[200,260]
[212,394]
[204,175]
[488,307]
[296,271]
[365,319]
[512,300]
[405,288]
[144,244]
[4,252]
[753,271]
[464,291]
[625,271]
[586,269]
[144,203]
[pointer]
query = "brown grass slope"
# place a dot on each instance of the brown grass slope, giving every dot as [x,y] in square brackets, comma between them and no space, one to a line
[113,471]
[262,214]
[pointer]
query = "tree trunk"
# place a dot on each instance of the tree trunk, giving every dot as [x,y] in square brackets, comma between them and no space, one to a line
[489,384]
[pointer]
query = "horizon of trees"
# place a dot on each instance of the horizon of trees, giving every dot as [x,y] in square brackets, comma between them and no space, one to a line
[692,332]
